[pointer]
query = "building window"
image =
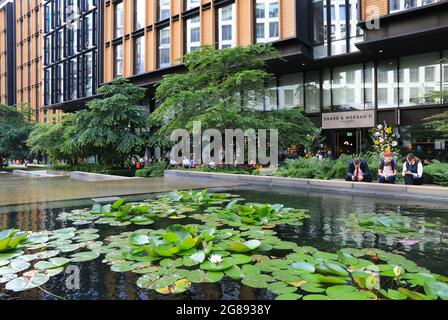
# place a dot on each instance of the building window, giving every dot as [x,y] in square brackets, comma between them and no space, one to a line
[335,27]
[73,87]
[419,76]
[139,14]
[291,91]
[164,10]
[445,75]
[89,65]
[193,36]
[118,60]
[119,20]
[226,27]
[312,92]
[267,22]
[190,4]
[401,5]
[271,97]
[88,31]
[164,47]
[139,55]
[47,50]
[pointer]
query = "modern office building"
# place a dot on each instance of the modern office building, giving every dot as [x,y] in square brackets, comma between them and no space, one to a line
[349,64]
[71,34]
[7,53]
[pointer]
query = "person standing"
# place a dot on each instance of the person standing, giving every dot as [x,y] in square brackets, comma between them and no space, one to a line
[358,170]
[387,171]
[412,170]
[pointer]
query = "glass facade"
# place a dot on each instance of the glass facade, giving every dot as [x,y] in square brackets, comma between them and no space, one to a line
[401,5]
[335,27]
[70,50]
[391,83]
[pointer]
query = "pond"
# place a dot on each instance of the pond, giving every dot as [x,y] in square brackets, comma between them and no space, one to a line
[326,229]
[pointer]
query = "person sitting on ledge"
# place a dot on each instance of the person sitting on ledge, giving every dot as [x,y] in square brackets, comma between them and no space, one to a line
[412,170]
[358,170]
[387,172]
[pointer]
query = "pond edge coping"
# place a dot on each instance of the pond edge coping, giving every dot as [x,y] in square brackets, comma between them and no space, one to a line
[428,192]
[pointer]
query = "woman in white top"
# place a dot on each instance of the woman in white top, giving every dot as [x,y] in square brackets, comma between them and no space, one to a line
[387,172]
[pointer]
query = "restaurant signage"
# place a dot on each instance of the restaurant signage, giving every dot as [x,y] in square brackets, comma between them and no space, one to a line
[352,119]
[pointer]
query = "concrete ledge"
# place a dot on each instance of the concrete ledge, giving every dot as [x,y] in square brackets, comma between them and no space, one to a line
[363,188]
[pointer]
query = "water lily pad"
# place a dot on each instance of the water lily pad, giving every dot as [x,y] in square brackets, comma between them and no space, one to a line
[226,263]
[213,276]
[304,266]
[122,267]
[288,296]
[247,246]
[84,256]
[240,259]
[234,273]
[22,284]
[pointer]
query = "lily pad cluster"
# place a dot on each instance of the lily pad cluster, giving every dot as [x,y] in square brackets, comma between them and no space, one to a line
[393,224]
[203,197]
[253,214]
[235,241]
[37,257]
[173,205]
[171,260]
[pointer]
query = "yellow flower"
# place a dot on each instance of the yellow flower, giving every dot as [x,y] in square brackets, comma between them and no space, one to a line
[388,130]
[377,142]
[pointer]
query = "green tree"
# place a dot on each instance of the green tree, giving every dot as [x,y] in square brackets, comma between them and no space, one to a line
[440,121]
[114,127]
[218,89]
[14,133]
[53,141]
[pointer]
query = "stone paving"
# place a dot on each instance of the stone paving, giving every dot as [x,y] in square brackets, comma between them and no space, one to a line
[23,190]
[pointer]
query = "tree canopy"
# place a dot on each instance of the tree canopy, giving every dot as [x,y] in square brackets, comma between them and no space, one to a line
[15,128]
[113,127]
[220,89]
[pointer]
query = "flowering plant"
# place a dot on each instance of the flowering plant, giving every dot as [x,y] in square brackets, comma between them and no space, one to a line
[384,139]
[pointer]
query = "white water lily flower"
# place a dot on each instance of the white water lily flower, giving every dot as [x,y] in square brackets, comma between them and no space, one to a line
[397,271]
[394,143]
[215,258]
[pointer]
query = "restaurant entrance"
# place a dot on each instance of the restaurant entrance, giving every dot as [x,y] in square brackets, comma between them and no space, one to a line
[351,141]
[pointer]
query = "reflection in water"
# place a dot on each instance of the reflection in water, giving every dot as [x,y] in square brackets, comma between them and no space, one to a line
[325,230]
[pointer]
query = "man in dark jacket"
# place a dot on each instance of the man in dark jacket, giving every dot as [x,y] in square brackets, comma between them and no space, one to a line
[358,170]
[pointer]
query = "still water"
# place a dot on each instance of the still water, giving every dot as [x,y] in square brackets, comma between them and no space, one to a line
[325,230]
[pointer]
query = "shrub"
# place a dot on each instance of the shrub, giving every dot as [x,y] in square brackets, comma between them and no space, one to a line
[94,168]
[155,169]
[436,173]
[305,168]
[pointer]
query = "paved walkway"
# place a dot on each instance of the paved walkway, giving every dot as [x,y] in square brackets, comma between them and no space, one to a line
[23,190]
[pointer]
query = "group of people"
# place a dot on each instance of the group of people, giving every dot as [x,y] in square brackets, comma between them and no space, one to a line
[358,170]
